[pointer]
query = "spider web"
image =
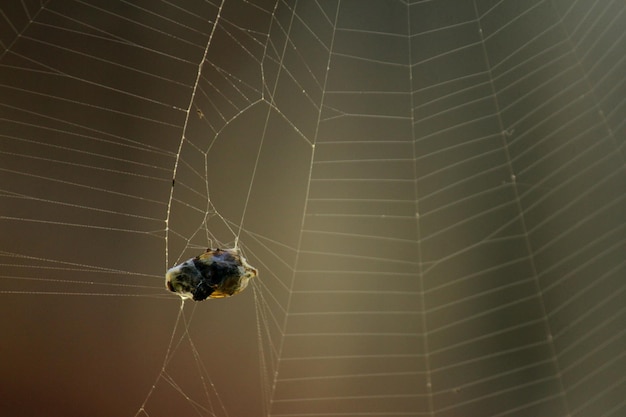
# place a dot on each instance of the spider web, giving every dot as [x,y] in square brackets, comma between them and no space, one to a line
[432,191]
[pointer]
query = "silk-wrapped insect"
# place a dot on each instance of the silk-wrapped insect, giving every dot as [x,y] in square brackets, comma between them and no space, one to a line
[217,273]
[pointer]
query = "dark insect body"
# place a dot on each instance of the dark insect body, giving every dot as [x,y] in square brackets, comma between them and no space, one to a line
[217,273]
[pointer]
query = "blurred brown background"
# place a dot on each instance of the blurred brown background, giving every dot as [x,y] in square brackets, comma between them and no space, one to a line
[433,192]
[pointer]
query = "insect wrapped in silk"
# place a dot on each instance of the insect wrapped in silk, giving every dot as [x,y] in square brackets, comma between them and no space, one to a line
[217,273]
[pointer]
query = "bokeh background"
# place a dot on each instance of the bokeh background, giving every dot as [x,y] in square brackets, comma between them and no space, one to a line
[433,192]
